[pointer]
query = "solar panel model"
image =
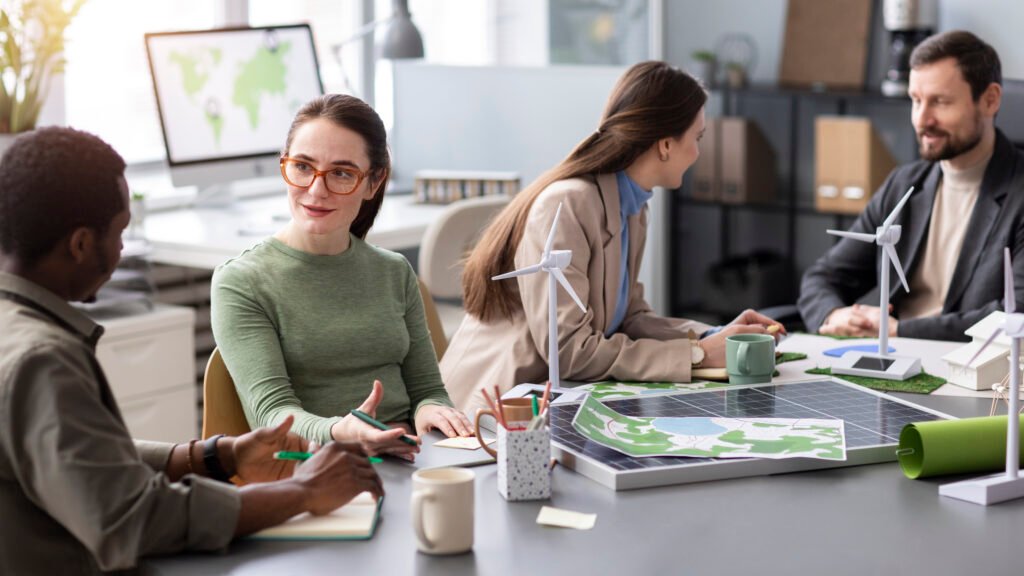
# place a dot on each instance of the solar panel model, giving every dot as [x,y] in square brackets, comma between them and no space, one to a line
[872,422]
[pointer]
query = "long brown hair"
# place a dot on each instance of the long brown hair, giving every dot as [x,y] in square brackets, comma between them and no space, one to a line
[352,113]
[651,101]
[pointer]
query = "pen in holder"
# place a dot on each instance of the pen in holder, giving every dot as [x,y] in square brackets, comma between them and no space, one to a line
[523,463]
[524,447]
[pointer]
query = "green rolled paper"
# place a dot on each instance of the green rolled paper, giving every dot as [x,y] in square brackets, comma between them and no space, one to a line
[962,446]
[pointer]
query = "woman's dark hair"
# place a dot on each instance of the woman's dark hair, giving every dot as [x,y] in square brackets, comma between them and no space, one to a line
[53,181]
[651,101]
[352,113]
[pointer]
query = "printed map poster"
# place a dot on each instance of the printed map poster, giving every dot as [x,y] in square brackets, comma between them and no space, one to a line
[231,93]
[711,437]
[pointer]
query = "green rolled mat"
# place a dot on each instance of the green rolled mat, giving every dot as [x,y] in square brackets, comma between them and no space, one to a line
[954,446]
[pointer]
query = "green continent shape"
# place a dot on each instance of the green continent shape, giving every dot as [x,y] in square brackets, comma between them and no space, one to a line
[264,72]
[639,438]
[217,125]
[787,443]
[193,77]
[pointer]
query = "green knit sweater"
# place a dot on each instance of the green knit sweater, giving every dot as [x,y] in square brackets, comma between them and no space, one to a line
[307,334]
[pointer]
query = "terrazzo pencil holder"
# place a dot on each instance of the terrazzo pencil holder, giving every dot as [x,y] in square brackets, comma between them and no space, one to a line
[523,464]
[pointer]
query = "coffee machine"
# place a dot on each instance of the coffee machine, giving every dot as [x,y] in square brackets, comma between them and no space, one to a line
[908,23]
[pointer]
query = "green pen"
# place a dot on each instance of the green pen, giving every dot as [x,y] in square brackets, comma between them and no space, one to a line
[379,425]
[303,456]
[533,403]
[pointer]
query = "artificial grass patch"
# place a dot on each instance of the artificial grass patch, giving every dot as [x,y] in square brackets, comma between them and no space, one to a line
[923,383]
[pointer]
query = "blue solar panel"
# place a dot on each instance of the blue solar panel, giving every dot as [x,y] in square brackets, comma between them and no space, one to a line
[872,423]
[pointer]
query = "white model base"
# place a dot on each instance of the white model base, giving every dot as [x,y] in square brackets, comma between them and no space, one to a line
[871,365]
[986,490]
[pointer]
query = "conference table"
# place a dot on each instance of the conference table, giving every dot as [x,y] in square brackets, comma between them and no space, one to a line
[856,520]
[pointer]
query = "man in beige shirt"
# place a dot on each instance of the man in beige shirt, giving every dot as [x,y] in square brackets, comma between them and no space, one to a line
[77,495]
[965,208]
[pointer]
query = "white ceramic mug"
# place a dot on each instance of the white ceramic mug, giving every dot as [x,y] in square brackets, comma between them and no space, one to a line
[442,510]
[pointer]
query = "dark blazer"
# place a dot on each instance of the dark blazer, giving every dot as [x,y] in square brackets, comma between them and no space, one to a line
[850,269]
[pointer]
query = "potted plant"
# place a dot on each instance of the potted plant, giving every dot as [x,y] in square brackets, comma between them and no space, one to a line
[736,74]
[31,54]
[703,67]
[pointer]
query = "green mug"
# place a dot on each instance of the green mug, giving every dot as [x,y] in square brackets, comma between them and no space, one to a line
[750,358]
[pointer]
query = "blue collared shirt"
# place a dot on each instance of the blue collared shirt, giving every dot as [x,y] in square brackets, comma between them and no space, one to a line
[632,199]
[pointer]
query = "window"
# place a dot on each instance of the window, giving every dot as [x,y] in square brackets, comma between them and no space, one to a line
[107,87]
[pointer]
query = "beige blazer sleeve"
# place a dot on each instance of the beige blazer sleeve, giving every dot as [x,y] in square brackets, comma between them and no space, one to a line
[584,353]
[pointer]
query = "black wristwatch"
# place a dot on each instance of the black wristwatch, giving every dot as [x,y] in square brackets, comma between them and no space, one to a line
[212,460]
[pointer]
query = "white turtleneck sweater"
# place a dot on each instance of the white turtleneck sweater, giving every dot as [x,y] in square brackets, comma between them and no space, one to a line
[954,203]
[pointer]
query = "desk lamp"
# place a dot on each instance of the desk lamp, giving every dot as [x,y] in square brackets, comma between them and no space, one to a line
[1007,485]
[552,262]
[401,39]
[881,364]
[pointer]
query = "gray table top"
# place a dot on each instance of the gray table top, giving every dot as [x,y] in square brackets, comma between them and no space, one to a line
[859,520]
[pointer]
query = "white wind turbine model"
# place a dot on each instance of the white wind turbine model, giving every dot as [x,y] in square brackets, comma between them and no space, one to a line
[552,262]
[1007,485]
[882,364]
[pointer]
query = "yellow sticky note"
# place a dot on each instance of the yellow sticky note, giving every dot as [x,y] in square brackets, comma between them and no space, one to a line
[566,518]
[463,442]
[773,329]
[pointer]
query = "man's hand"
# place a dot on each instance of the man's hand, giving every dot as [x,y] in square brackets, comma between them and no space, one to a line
[254,452]
[858,320]
[372,440]
[446,419]
[336,474]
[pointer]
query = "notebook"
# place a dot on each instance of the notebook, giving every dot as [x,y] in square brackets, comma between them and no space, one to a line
[356,520]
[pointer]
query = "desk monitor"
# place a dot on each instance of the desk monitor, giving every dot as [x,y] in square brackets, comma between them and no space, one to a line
[226,99]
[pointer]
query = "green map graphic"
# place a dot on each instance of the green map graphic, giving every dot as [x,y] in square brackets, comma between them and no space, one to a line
[263,73]
[710,437]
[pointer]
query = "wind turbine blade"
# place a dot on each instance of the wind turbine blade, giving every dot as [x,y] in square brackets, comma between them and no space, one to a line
[520,272]
[895,212]
[983,346]
[891,251]
[1010,305]
[568,287]
[854,235]
[551,235]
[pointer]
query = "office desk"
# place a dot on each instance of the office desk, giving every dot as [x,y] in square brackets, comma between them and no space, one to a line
[861,520]
[206,237]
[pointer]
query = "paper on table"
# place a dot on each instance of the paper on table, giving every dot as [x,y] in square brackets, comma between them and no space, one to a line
[970,445]
[711,437]
[463,442]
[565,518]
[356,520]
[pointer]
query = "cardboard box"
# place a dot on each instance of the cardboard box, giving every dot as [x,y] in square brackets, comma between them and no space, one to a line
[748,163]
[851,162]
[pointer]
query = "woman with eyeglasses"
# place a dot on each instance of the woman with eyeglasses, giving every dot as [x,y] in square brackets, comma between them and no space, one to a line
[647,138]
[313,321]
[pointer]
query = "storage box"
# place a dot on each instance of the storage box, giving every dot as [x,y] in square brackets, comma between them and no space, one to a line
[850,162]
[446,186]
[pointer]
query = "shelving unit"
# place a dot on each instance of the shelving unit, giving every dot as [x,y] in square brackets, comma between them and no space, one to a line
[705,234]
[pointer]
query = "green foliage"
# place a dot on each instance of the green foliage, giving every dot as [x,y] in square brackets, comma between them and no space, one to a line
[31,52]
[703,56]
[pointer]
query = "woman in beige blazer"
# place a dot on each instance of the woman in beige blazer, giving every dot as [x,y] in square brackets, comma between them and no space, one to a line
[648,137]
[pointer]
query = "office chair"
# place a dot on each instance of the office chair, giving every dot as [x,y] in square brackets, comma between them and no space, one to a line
[222,411]
[437,335]
[447,239]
